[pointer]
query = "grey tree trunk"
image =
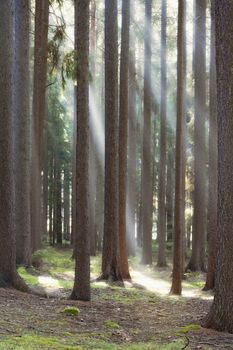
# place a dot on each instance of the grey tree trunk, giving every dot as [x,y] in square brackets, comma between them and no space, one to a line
[161,262]
[180,153]
[22,133]
[220,316]
[81,289]
[147,144]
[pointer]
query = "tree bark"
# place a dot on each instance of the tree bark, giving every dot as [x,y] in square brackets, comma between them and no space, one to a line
[146,158]
[197,261]
[213,171]
[39,111]
[220,316]
[163,143]
[81,289]
[123,135]
[180,153]
[111,269]
[8,273]
[22,133]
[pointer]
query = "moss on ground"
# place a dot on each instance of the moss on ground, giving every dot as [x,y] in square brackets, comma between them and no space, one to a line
[72,342]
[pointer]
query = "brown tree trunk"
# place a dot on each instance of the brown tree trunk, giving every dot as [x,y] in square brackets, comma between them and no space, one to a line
[22,133]
[220,316]
[161,262]
[213,171]
[146,158]
[39,111]
[132,145]
[197,261]
[180,153]
[111,269]
[8,273]
[123,135]
[170,192]
[81,289]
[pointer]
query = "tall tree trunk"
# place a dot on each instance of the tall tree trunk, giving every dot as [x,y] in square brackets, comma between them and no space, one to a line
[39,111]
[93,150]
[123,135]
[111,268]
[197,261]
[180,153]
[66,203]
[8,273]
[22,133]
[170,192]
[220,316]
[132,145]
[213,171]
[146,158]
[163,143]
[82,290]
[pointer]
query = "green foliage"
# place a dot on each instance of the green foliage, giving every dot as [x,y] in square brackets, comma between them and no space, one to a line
[29,278]
[111,324]
[71,310]
[188,328]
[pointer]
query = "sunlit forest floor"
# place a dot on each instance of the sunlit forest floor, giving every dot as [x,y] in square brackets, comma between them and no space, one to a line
[140,316]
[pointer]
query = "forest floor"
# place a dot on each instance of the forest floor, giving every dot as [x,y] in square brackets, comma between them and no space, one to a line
[140,316]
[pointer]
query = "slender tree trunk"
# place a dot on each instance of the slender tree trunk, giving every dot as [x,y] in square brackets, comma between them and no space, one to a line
[111,269]
[82,290]
[132,145]
[170,192]
[66,204]
[123,135]
[220,316]
[8,273]
[213,171]
[163,143]
[39,111]
[22,133]
[93,150]
[146,158]
[180,153]
[197,261]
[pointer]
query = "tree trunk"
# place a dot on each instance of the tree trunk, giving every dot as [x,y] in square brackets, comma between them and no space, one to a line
[39,111]
[22,133]
[132,145]
[197,261]
[180,153]
[123,135]
[213,171]
[82,290]
[163,143]
[146,158]
[220,316]
[111,269]
[8,273]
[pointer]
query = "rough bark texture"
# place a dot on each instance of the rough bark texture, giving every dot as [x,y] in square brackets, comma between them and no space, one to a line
[180,154]
[146,157]
[123,135]
[197,261]
[93,149]
[39,112]
[132,163]
[163,143]
[213,171]
[111,260]
[8,273]
[22,133]
[82,290]
[220,316]
[170,191]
